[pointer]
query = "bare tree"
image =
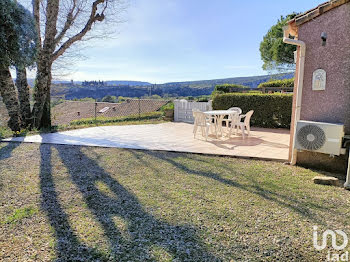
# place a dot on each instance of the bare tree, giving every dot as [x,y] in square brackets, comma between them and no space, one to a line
[60,25]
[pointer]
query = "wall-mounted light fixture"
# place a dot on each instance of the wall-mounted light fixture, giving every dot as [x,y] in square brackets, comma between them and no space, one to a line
[324,38]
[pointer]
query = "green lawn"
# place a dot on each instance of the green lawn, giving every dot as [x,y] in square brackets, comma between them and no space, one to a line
[70,203]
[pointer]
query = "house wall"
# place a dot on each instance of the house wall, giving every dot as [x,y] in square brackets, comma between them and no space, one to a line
[333,104]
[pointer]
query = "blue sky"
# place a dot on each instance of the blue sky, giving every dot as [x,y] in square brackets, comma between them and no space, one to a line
[178,40]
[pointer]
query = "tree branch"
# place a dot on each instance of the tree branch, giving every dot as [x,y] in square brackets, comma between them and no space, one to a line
[70,20]
[36,14]
[94,16]
[50,26]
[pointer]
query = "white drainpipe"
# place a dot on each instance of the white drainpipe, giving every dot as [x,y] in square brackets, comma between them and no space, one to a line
[347,183]
[299,87]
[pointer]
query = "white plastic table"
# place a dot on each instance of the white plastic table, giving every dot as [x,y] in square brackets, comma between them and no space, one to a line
[218,116]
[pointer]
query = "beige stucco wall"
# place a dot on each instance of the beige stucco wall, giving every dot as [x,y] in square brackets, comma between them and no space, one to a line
[333,104]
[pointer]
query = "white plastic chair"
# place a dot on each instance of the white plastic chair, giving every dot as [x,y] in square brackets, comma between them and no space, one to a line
[203,121]
[245,125]
[232,122]
[239,111]
[230,117]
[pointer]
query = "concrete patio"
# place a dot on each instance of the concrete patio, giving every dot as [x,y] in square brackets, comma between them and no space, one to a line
[263,143]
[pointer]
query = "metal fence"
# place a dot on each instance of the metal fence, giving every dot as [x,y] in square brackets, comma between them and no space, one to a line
[66,112]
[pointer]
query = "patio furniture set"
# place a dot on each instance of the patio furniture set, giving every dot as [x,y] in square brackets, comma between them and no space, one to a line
[213,121]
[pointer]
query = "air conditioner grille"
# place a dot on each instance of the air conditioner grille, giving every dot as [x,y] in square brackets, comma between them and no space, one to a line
[311,137]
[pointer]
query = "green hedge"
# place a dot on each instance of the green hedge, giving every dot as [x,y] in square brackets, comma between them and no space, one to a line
[104,120]
[229,88]
[278,83]
[270,110]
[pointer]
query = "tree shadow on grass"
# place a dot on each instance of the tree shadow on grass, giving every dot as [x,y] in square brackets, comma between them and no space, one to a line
[67,245]
[284,200]
[6,151]
[144,234]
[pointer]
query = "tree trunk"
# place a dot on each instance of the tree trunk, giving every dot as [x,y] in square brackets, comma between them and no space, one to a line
[9,96]
[41,108]
[23,96]
[46,118]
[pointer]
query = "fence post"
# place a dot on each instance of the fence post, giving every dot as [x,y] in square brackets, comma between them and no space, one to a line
[176,110]
[95,112]
[139,109]
[95,104]
[210,105]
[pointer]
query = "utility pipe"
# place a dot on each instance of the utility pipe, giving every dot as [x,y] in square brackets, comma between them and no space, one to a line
[299,87]
[347,183]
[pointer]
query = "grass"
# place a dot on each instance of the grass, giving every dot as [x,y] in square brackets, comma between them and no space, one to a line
[148,118]
[19,214]
[98,204]
[112,120]
[109,123]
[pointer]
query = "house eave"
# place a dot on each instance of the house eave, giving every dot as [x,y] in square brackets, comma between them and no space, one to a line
[317,11]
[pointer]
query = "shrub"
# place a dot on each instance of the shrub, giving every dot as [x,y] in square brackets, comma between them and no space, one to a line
[109,99]
[203,98]
[105,120]
[5,132]
[229,88]
[270,110]
[168,106]
[278,83]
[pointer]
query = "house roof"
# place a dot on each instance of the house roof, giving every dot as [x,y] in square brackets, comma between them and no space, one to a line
[64,113]
[317,11]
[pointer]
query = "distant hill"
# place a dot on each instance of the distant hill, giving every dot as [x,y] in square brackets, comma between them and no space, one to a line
[130,83]
[111,83]
[250,81]
[138,89]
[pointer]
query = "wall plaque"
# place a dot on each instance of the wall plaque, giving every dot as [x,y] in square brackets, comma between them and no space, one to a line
[319,80]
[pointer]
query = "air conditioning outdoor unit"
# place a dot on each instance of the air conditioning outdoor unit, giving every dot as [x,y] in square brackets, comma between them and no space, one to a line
[319,137]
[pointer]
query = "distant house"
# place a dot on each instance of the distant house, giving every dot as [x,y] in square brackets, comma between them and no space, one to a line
[92,83]
[324,77]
